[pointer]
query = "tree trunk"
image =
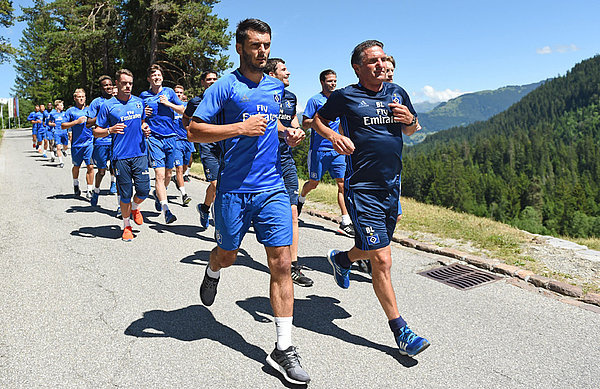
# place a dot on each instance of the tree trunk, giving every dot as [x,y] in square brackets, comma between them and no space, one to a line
[154,37]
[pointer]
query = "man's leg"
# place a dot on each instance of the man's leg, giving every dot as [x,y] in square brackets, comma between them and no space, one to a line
[75,173]
[306,188]
[160,193]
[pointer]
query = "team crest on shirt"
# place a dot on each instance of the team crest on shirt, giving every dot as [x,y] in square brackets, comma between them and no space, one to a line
[396,99]
[138,105]
[277,98]
[288,104]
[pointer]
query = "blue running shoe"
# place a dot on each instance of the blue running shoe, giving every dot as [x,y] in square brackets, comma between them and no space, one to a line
[203,217]
[94,199]
[409,343]
[45,156]
[113,187]
[118,215]
[157,205]
[342,275]
[169,217]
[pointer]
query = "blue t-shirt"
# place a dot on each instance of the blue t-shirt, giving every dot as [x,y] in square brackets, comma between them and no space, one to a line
[287,111]
[39,116]
[35,116]
[46,118]
[82,135]
[317,142]
[92,112]
[31,117]
[132,143]
[250,164]
[367,120]
[162,121]
[57,118]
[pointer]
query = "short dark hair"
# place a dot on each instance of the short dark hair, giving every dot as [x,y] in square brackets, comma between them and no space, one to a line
[154,67]
[325,73]
[241,33]
[206,73]
[358,52]
[104,77]
[122,71]
[272,65]
[391,59]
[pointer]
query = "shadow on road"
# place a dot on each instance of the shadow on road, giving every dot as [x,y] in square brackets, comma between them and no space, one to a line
[194,323]
[201,257]
[107,232]
[321,264]
[316,314]
[67,196]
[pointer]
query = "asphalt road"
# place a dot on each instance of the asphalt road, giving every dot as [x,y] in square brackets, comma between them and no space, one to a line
[82,309]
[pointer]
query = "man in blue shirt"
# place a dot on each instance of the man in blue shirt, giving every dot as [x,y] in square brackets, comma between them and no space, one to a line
[81,140]
[184,149]
[122,117]
[374,114]
[161,104]
[61,136]
[321,155]
[102,146]
[242,110]
[287,116]
[210,153]
[34,124]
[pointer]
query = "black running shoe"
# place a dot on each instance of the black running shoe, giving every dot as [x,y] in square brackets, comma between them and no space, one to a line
[287,362]
[208,289]
[76,190]
[186,199]
[299,278]
[299,206]
[346,229]
[186,178]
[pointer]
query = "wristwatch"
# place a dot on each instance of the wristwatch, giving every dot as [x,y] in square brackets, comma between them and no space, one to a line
[414,121]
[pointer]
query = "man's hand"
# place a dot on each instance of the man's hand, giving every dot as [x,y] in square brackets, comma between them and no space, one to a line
[117,128]
[255,125]
[401,113]
[293,136]
[342,144]
[148,111]
[146,129]
[82,119]
[163,99]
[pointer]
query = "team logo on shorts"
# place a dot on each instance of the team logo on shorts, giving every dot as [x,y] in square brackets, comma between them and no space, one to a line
[219,237]
[373,239]
[277,98]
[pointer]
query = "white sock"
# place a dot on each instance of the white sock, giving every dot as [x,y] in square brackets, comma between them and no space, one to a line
[213,274]
[60,159]
[283,326]
[90,188]
[346,219]
[182,190]
[134,205]
[126,222]
[187,172]
[75,182]
[164,205]
[301,199]
[113,179]
[96,190]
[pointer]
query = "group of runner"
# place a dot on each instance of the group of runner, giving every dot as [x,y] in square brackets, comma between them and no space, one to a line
[246,125]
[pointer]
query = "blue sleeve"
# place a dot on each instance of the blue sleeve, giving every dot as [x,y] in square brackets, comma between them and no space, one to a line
[51,119]
[311,108]
[173,97]
[30,117]
[214,98]
[102,119]
[92,110]
[191,106]
[333,107]
[408,104]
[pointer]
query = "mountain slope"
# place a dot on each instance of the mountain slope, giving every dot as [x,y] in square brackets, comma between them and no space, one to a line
[535,165]
[469,108]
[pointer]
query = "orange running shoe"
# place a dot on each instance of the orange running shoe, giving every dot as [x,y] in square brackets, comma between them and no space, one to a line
[127,234]
[136,215]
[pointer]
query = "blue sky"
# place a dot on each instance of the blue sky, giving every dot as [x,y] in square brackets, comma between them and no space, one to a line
[442,48]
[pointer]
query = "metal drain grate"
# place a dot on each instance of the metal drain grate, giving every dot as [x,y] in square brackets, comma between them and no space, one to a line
[460,276]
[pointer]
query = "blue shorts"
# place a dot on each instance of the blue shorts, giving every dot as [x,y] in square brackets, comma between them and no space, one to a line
[290,179]
[183,152]
[269,212]
[41,134]
[61,138]
[162,151]
[210,155]
[320,162]
[132,172]
[374,214]
[101,155]
[81,154]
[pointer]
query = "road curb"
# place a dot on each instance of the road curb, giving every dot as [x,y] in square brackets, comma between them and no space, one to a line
[493,265]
